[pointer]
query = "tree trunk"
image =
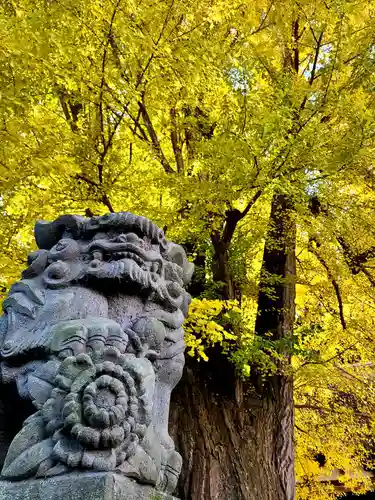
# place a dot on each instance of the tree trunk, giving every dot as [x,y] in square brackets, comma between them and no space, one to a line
[197,285]
[220,268]
[276,314]
[237,441]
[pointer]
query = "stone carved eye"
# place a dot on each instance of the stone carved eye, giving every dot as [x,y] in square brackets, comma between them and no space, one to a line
[56,271]
[66,249]
[61,245]
[128,238]
[132,238]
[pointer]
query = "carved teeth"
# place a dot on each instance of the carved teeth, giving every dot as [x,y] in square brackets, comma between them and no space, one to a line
[97,255]
[132,256]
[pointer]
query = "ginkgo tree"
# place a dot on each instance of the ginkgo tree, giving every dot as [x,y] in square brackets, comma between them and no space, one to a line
[246,131]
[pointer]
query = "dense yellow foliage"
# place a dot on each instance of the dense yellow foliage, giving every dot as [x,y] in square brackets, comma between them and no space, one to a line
[202,330]
[183,110]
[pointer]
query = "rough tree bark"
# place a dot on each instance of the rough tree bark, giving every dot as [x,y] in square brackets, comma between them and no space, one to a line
[236,436]
[196,286]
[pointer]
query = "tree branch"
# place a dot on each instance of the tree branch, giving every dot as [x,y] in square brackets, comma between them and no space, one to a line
[107,203]
[176,142]
[328,410]
[142,74]
[251,203]
[70,109]
[232,219]
[143,136]
[104,197]
[263,21]
[64,107]
[154,139]
[87,180]
[296,37]
[315,63]
[325,361]
[165,23]
[335,284]
[356,262]
[300,429]
[105,144]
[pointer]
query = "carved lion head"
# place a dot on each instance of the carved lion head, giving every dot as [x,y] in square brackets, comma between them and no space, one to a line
[115,252]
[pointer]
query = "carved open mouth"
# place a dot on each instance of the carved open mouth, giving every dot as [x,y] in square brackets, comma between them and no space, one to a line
[127,255]
[150,264]
[106,252]
[153,266]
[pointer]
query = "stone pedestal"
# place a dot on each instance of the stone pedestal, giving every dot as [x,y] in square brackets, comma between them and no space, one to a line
[80,486]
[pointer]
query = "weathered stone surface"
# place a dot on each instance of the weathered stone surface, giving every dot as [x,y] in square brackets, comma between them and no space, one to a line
[90,486]
[92,339]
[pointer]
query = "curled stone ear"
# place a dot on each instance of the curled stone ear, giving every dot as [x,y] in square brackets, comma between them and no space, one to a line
[37,263]
[47,234]
[178,256]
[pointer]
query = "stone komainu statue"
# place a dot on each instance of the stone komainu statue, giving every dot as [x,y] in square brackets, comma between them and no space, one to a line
[92,339]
